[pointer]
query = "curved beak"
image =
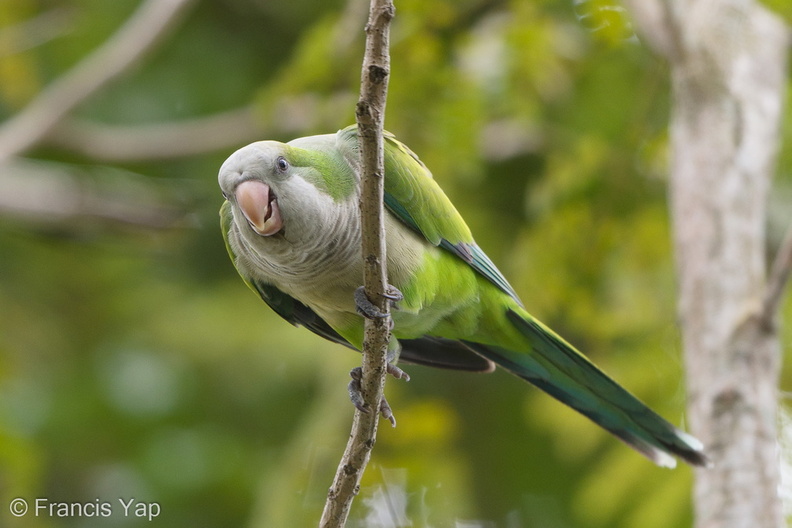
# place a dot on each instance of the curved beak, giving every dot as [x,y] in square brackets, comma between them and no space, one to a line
[260,207]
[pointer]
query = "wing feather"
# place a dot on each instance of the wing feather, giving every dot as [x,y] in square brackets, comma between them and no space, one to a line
[413,196]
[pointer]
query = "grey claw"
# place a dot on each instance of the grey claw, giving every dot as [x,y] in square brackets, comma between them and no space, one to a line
[368,309]
[393,294]
[365,307]
[397,373]
[356,394]
[387,413]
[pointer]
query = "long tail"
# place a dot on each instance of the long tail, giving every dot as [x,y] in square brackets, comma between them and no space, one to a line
[558,369]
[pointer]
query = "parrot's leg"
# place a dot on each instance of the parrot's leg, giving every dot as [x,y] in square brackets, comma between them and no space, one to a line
[356,394]
[368,309]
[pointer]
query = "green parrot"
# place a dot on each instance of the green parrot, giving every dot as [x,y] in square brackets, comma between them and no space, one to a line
[291,226]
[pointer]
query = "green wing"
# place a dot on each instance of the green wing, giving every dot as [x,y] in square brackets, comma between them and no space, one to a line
[414,197]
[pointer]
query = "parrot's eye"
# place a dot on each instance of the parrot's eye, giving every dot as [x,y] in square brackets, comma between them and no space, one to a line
[282,164]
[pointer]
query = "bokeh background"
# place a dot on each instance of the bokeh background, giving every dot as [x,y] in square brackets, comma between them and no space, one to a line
[134,363]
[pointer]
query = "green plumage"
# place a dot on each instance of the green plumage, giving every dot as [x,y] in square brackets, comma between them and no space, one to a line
[458,310]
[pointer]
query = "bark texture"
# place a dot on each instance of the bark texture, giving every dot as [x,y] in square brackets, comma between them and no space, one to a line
[727,61]
[370,113]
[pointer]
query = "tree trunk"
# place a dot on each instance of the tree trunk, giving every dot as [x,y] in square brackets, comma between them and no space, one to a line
[727,62]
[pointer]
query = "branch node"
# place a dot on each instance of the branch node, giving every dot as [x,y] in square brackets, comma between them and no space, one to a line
[377,74]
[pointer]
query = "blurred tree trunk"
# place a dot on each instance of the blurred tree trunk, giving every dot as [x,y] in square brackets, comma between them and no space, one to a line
[727,61]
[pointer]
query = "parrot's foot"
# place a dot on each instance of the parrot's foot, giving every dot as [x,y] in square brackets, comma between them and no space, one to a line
[368,309]
[356,394]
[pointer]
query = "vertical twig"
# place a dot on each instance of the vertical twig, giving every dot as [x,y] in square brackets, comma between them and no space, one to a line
[370,113]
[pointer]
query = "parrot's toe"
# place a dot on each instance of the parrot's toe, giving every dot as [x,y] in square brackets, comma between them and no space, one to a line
[397,373]
[387,413]
[356,393]
[368,309]
[393,294]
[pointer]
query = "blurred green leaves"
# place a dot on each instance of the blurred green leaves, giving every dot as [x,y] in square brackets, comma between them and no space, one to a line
[133,362]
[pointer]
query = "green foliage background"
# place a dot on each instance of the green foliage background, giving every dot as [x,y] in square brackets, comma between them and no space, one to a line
[135,363]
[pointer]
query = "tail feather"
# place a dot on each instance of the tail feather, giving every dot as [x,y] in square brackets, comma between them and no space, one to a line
[557,368]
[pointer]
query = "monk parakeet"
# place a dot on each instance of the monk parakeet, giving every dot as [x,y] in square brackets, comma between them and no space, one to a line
[291,226]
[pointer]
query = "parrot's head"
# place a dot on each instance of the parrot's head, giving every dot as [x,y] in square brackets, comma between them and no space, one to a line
[281,193]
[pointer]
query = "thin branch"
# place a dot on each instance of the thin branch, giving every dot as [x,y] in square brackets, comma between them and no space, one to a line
[62,197]
[370,113]
[777,281]
[113,143]
[139,35]
[121,143]
[198,135]
[36,31]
